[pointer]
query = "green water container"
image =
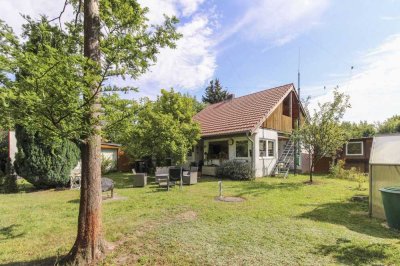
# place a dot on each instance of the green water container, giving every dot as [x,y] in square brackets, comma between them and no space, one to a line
[391,204]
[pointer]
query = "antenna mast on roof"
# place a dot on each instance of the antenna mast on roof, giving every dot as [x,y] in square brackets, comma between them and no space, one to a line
[296,144]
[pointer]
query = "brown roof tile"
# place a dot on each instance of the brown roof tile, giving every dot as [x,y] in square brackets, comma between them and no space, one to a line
[242,114]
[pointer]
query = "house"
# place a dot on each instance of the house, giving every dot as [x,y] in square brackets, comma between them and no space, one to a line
[254,128]
[356,153]
[110,151]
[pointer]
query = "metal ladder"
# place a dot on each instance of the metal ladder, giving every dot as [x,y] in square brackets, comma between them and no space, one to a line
[282,166]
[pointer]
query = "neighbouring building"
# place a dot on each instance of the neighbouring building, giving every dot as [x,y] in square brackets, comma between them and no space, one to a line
[356,153]
[254,128]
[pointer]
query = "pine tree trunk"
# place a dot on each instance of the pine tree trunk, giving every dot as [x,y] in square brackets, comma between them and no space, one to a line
[89,243]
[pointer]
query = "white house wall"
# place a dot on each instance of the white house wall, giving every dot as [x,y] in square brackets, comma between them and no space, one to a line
[264,165]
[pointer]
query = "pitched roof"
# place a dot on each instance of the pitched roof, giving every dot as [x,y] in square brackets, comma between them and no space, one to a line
[242,114]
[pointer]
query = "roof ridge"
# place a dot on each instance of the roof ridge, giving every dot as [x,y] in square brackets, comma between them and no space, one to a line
[273,88]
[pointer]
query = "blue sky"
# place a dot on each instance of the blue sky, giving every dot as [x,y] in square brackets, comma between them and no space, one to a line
[253,45]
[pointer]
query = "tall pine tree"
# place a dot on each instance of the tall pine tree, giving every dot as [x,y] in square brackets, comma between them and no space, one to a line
[215,93]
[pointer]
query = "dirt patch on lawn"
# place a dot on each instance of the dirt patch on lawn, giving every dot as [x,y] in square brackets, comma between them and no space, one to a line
[115,198]
[135,247]
[230,199]
[187,216]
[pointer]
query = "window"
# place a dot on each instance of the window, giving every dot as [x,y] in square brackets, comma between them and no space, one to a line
[354,148]
[242,148]
[218,150]
[271,148]
[267,148]
[263,148]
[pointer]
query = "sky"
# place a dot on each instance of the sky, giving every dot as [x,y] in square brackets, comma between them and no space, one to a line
[260,44]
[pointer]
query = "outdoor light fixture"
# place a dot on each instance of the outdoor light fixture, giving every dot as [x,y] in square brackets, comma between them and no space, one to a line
[231,141]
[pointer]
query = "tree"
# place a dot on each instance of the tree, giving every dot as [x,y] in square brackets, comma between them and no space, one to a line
[321,134]
[359,130]
[67,73]
[42,164]
[214,93]
[390,125]
[165,128]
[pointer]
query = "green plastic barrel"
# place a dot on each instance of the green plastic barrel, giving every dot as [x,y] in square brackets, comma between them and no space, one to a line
[391,204]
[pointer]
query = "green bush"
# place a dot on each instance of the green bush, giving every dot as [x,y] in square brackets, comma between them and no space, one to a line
[3,152]
[235,170]
[44,165]
[10,181]
[337,171]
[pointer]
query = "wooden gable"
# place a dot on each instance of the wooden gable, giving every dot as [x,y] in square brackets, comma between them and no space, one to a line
[284,117]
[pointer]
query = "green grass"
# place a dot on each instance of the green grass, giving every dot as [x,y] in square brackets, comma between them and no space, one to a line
[282,222]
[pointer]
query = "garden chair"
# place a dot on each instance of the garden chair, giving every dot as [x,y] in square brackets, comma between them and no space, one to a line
[175,175]
[191,177]
[75,180]
[140,180]
[161,173]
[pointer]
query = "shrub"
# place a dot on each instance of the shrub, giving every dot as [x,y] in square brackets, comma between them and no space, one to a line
[235,170]
[10,181]
[337,171]
[2,178]
[3,152]
[44,165]
[107,165]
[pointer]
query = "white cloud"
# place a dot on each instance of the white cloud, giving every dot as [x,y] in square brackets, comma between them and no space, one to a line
[190,65]
[278,21]
[11,9]
[179,8]
[375,88]
[193,62]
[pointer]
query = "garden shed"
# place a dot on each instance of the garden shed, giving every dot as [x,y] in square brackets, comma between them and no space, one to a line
[384,170]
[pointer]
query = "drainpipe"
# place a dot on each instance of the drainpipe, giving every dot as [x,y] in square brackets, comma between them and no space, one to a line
[252,154]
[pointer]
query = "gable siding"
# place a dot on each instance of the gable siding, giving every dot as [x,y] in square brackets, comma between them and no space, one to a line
[278,121]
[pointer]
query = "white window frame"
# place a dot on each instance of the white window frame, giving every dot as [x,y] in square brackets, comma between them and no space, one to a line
[248,152]
[273,141]
[355,154]
[266,147]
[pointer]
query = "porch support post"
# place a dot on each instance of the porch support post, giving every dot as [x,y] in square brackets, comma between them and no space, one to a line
[253,166]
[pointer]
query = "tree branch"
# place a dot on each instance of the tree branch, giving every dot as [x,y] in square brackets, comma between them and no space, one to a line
[61,13]
[78,12]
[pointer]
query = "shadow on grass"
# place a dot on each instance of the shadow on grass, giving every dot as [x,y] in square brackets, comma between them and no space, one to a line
[259,188]
[9,232]
[40,262]
[345,252]
[352,215]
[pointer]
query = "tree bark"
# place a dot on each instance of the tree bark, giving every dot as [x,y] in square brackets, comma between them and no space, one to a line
[89,243]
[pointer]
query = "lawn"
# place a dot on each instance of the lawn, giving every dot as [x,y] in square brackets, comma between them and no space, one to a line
[282,222]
